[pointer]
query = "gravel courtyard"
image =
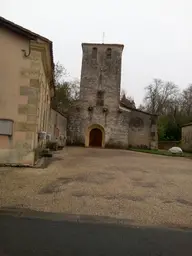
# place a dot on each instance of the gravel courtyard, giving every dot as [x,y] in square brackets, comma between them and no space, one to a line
[142,188]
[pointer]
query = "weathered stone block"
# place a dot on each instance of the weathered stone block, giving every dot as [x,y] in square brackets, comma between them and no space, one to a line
[33,100]
[22,109]
[29,91]
[34,83]
[27,109]
[32,118]
[35,56]
[29,158]
[35,65]
[30,73]
[29,135]
[24,127]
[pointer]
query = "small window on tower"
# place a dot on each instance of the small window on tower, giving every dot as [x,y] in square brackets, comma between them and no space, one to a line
[94,53]
[100,98]
[108,53]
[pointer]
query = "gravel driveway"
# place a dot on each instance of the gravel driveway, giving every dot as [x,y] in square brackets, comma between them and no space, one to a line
[142,188]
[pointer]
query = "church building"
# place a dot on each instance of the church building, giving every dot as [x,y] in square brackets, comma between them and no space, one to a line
[100,119]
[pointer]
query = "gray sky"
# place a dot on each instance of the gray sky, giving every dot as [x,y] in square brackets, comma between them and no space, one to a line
[157,35]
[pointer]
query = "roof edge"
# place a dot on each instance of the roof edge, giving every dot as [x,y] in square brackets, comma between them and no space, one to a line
[188,124]
[102,44]
[29,35]
[137,110]
[21,30]
[58,111]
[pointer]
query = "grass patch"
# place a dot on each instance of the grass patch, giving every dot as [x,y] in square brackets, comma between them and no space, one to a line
[161,152]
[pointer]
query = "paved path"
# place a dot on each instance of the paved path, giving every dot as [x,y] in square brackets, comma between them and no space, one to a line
[142,188]
[45,234]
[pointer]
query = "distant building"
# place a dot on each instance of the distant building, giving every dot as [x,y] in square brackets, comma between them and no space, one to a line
[187,137]
[26,88]
[57,127]
[99,118]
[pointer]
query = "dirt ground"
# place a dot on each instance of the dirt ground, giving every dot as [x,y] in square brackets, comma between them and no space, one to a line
[142,188]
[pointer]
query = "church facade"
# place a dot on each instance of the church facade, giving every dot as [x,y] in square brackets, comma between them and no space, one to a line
[99,119]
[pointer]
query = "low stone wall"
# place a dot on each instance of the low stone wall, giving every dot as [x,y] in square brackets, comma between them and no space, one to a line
[58,127]
[168,144]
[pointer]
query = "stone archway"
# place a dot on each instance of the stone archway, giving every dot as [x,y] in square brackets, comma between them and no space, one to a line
[95,136]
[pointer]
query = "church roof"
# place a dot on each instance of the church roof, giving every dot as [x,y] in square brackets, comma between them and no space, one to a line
[135,109]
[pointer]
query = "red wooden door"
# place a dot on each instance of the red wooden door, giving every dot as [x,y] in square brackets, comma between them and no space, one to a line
[95,139]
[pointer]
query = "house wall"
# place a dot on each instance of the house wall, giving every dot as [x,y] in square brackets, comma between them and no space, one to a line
[23,92]
[57,127]
[187,138]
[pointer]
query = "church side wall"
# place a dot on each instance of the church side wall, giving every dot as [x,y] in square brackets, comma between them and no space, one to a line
[139,130]
[74,135]
[116,136]
[142,130]
[122,129]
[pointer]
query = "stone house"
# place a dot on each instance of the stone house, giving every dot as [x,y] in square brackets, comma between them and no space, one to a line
[187,137]
[57,127]
[99,118]
[26,89]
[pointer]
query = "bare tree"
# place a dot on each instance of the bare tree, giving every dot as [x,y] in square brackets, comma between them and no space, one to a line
[187,100]
[173,107]
[159,96]
[66,91]
[60,73]
[142,107]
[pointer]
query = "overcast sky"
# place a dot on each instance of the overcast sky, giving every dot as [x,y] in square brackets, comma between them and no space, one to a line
[157,35]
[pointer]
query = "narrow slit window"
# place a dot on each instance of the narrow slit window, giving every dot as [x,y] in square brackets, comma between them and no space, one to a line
[109,53]
[100,98]
[94,53]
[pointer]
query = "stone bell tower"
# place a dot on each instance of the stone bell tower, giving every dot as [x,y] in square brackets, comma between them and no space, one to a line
[101,75]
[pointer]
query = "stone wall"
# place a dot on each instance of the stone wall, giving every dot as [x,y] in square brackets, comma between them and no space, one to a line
[99,104]
[75,135]
[123,129]
[58,127]
[101,73]
[168,144]
[187,138]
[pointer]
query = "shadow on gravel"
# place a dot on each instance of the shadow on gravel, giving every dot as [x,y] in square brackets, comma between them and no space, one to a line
[60,184]
[24,232]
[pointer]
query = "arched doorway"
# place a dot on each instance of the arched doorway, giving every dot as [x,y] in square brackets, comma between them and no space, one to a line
[95,138]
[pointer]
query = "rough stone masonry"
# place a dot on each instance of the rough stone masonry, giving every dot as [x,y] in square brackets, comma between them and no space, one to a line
[99,118]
